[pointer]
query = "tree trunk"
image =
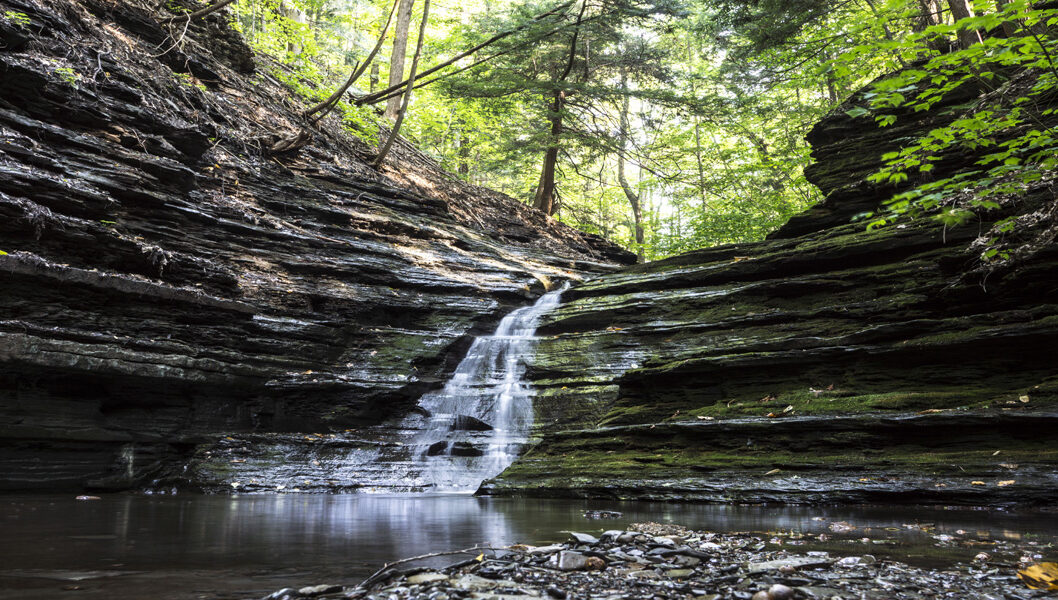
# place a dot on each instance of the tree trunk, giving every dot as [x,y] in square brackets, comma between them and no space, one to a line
[464,152]
[832,91]
[373,78]
[930,14]
[961,9]
[633,197]
[1010,29]
[407,94]
[396,60]
[545,190]
[328,105]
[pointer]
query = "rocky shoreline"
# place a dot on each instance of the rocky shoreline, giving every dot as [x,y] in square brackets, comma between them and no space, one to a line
[663,561]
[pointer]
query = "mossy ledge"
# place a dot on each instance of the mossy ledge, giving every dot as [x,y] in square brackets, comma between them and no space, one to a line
[830,363]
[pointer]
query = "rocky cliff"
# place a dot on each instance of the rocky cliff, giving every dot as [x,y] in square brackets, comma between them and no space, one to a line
[828,364]
[170,275]
[186,301]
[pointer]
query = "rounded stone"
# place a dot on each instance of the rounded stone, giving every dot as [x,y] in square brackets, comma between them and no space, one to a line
[779,592]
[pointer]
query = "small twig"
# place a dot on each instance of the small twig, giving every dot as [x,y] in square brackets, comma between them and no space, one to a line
[176,43]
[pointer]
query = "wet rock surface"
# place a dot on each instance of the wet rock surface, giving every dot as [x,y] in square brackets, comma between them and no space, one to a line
[699,376]
[666,561]
[168,280]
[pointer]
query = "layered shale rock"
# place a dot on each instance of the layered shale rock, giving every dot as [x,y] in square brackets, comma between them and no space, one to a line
[830,363]
[170,274]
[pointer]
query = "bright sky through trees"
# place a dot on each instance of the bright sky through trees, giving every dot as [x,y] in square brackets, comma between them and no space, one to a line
[705,103]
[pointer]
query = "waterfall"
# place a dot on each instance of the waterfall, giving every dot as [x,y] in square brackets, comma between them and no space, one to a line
[479,422]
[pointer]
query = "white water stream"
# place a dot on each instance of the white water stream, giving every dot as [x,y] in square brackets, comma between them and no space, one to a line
[480,421]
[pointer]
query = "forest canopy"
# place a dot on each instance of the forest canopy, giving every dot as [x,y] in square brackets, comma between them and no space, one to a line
[668,125]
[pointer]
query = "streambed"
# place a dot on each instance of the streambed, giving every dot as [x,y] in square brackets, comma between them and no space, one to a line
[125,547]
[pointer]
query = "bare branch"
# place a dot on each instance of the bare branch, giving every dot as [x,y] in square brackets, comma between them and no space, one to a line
[407,94]
[389,566]
[372,98]
[200,13]
[327,105]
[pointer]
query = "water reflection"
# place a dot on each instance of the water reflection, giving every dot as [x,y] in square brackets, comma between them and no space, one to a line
[310,538]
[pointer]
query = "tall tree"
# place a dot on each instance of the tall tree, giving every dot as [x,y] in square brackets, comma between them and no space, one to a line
[400,50]
[407,92]
[631,194]
[544,199]
[961,9]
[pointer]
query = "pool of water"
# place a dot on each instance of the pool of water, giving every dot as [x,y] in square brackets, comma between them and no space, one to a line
[212,547]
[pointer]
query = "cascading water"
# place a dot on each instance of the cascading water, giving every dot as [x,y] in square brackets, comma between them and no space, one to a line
[480,421]
[462,434]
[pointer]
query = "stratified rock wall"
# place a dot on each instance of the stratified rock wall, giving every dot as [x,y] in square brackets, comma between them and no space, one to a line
[830,363]
[166,278]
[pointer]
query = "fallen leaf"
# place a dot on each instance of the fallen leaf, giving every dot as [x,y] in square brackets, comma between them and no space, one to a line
[1023,398]
[1041,576]
[977,483]
[480,557]
[996,453]
[772,472]
[1005,483]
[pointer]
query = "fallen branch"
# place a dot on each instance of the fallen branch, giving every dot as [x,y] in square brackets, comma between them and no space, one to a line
[291,143]
[200,13]
[328,105]
[372,98]
[378,575]
[407,94]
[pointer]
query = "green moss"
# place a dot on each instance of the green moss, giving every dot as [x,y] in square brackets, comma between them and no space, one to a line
[567,461]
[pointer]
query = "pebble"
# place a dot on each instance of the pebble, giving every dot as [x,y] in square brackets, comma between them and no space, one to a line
[664,542]
[317,590]
[428,577]
[583,538]
[780,592]
[572,561]
[602,514]
[737,567]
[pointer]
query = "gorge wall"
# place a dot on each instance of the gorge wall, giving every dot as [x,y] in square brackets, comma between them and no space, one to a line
[170,277]
[185,303]
[827,364]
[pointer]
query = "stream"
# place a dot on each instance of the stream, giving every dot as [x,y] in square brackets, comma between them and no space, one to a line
[125,547]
